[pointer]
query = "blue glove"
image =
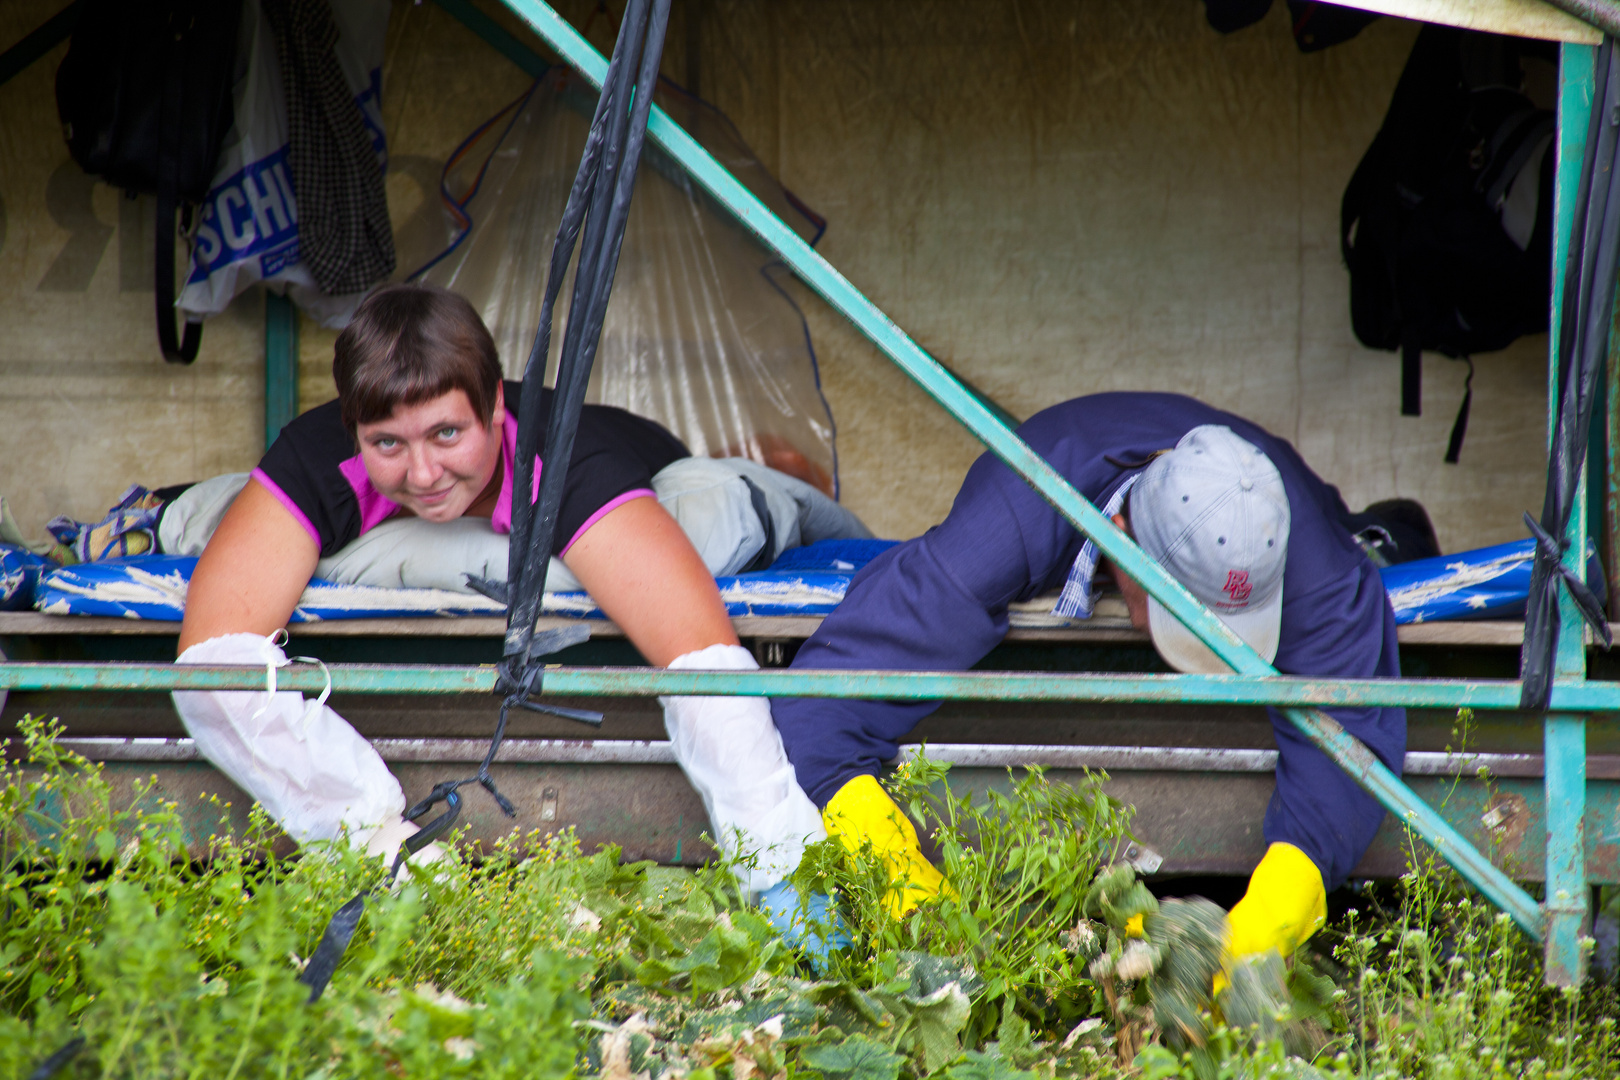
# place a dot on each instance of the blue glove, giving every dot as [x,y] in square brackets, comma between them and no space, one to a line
[814,928]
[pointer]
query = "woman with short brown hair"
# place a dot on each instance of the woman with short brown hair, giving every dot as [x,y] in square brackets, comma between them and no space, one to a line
[424,426]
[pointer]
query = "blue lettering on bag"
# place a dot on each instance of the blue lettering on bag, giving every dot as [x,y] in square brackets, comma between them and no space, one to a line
[274,262]
[251,213]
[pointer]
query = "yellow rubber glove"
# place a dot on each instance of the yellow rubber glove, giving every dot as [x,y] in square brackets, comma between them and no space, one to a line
[862,812]
[1284,905]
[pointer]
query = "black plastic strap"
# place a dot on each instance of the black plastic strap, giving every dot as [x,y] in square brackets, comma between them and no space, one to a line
[53,1064]
[595,215]
[1590,271]
[323,962]
[599,202]
[334,943]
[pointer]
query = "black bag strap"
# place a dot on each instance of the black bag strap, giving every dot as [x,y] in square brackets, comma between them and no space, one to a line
[1520,136]
[1411,370]
[1459,426]
[174,351]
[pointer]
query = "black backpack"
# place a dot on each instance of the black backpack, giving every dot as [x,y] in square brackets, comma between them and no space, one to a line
[144,95]
[1446,226]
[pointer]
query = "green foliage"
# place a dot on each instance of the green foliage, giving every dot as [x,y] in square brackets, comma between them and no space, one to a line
[169,966]
[1443,985]
[1021,865]
[168,956]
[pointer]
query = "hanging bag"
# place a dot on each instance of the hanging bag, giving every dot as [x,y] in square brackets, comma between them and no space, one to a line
[144,95]
[253,225]
[1446,224]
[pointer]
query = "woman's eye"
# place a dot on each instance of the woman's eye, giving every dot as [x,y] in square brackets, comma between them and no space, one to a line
[448,433]
[386,443]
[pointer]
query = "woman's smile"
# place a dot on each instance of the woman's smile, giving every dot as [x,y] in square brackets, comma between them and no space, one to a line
[437,458]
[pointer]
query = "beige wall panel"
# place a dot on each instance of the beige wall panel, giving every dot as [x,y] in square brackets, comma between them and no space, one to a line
[1059,198]
[87,404]
[1056,197]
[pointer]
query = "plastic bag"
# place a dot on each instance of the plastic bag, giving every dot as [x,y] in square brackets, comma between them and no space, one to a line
[701,334]
[247,228]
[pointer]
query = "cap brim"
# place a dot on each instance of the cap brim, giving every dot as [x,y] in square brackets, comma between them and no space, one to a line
[1260,626]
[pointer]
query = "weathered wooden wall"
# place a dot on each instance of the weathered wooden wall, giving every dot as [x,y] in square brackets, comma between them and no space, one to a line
[1054,196]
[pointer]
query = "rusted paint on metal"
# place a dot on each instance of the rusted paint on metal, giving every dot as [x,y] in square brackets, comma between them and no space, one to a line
[1567,890]
[1506,819]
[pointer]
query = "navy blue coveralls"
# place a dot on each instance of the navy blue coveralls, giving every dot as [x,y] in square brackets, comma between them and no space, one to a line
[939,603]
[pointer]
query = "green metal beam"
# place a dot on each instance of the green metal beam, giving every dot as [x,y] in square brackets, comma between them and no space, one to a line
[820,275]
[280,365]
[1280,691]
[1564,731]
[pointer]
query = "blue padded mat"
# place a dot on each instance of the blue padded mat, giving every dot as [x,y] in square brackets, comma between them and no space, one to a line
[1487,583]
[19,576]
[1490,583]
[154,587]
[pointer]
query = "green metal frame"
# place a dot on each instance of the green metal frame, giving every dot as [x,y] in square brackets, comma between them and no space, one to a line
[280,365]
[1564,732]
[1559,924]
[1283,691]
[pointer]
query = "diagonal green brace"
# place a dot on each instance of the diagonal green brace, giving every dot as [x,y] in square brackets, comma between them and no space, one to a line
[820,275]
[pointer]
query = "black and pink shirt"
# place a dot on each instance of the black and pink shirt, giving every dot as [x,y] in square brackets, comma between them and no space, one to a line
[314,469]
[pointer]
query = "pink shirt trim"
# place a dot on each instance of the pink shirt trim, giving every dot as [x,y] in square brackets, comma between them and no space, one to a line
[608,508]
[375,508]
[292,508]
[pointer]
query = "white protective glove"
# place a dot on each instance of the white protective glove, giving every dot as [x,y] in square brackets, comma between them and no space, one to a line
[732,754]
[313,773]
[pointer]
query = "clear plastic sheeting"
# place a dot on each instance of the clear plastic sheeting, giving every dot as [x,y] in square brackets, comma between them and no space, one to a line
[701,333]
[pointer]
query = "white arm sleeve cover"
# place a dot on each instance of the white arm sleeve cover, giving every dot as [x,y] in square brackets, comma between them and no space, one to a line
[312,772]
[732,754]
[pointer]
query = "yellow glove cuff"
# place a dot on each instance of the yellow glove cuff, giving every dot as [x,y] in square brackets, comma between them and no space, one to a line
[1284,905]
[863,813]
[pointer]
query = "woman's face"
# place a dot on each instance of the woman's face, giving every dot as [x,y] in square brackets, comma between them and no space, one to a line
[434,458]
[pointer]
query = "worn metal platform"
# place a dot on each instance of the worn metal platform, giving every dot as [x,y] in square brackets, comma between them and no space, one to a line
[1199,777]
[1197,810]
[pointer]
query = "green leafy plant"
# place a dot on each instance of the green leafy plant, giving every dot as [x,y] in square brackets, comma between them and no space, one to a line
[1019,862]
[170,956]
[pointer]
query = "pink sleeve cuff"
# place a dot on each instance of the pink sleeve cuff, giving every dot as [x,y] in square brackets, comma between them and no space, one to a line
[608,508]
[292,508]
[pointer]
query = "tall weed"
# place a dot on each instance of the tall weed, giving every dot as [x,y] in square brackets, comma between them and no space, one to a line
[1440,984]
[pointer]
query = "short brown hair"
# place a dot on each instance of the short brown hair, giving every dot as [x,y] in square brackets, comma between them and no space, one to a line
[411,343]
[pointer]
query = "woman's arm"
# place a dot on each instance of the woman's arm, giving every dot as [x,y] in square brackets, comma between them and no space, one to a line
[644,574]
[252,572]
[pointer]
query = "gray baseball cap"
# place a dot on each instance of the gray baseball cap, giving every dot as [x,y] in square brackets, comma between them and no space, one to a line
[1214,513]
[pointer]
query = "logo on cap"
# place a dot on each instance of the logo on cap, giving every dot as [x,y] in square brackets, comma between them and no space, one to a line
[1237,587]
